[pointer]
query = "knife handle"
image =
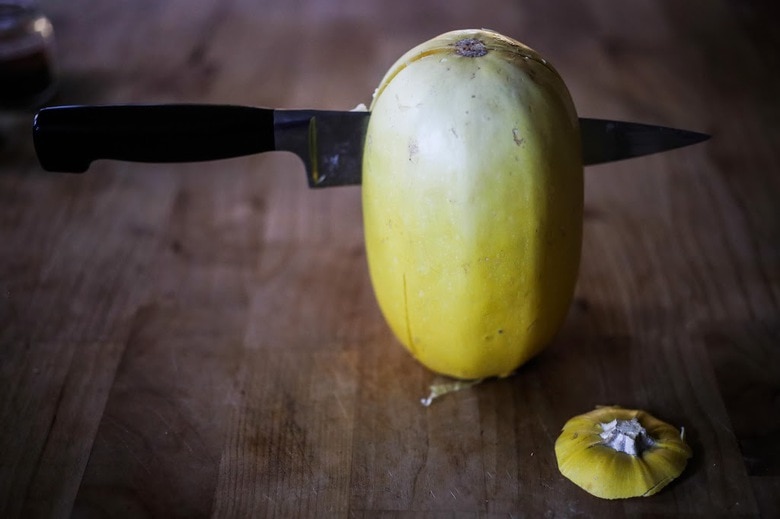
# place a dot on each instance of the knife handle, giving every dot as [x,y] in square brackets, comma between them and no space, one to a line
[69,138]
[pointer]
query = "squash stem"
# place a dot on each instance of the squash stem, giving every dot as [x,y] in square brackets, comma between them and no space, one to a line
[470,48]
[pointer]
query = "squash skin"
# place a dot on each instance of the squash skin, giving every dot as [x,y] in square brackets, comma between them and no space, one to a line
[472,203]
[603,472]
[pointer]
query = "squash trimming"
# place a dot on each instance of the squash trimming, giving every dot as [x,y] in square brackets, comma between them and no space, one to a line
[617,453]
[472,202]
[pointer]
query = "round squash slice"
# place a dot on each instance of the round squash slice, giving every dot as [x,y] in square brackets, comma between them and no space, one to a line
[617,453]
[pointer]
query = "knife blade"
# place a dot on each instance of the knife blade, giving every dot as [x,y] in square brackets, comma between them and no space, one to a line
[330,143]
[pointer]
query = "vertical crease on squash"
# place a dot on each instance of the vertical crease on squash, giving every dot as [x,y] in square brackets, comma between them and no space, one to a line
[409,338]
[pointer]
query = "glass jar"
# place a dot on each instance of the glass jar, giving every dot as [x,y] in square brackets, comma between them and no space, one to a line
[27,75]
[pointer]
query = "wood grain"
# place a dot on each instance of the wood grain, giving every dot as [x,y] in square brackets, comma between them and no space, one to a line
[202,339]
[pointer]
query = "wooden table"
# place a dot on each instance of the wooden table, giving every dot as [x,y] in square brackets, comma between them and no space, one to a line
[202,339]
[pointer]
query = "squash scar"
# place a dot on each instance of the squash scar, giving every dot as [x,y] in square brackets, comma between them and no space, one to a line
[414,149]
[519,140]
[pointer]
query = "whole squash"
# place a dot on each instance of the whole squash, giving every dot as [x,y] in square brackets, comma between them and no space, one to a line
[472,202]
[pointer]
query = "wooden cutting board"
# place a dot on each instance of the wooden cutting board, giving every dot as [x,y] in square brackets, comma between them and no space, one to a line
[202,339]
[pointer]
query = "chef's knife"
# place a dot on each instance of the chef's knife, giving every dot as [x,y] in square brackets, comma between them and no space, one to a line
[69,138]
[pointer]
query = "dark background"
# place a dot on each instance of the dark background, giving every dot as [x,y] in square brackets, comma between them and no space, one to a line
[202,339]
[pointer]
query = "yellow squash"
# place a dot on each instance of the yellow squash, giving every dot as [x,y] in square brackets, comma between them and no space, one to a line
[472,200]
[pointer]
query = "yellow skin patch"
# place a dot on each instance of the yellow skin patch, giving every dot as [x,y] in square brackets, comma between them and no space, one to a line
[472,203]
[585,458]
